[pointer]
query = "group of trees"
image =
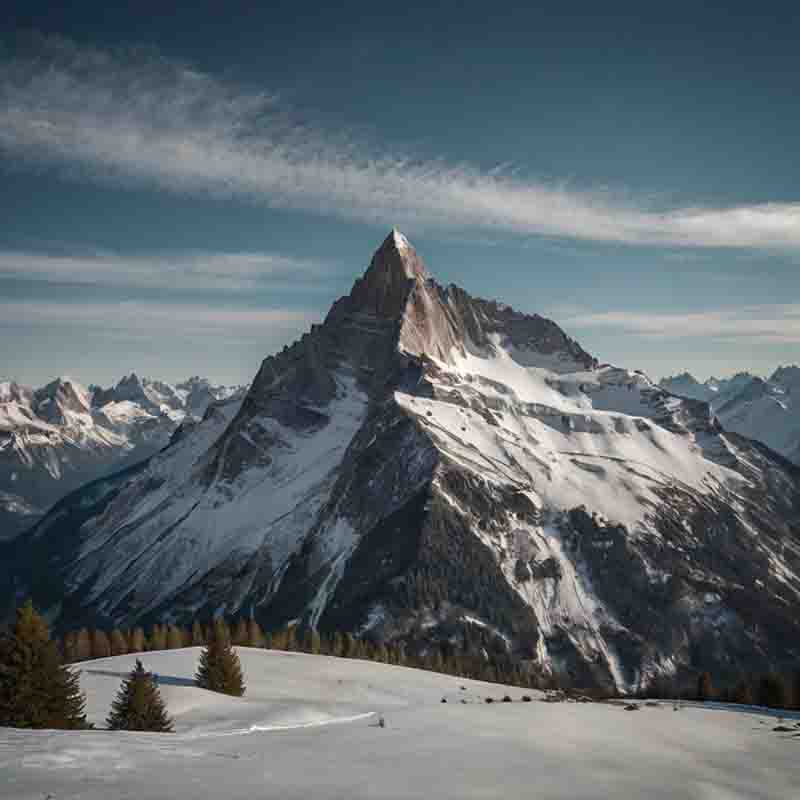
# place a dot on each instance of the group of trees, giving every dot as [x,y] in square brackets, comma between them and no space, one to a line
[39,690]
[486,663]
[772,690]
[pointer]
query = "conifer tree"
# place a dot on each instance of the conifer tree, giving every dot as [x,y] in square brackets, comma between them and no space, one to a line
[138,642]
[241,634]
[157,639]
[101,647]
[138,705]
[83,645]
[174,638]
[705,689]
[36,689]
[742,693]
[337,644]
[71,648]
[220,669]
[198,634]
[255,636]
[118,644]
[772,691]
[796,690]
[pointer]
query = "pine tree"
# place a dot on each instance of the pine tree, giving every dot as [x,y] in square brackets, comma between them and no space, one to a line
[138,705]
[796,690]
[241,634]
[742,693]
[36,689]
[118,644]
[138,642]
[83,645]
[71,648]
[705,689]
[220,669]
[101,647]
[157,639]
[255,636]
[174,638]
[198,634]
[337,644]
[772,692]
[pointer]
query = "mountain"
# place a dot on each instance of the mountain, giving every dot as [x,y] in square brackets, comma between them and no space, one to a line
[433,467]
[767,410]
[59,437]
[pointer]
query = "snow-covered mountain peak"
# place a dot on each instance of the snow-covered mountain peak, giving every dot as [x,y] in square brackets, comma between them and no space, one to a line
[788,377]
[424,458]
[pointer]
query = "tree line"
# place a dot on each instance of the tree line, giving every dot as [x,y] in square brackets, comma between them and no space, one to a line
[771,690]
[39,690]
[486,664]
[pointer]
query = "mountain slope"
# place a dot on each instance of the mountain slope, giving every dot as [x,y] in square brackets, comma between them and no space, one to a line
[767,410]
[57,438]
[431,466]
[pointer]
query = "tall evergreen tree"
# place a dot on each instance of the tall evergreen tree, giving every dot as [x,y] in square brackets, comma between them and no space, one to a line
[198,634]
[101,647]
[174,638]
[36,689]
[158,638]
[138,642]
[119,645]
[796,690]
[772,691]
[705,689]
[83,645]
[255,636]
[220,669]
[240,633]
[138,705]
[71,648]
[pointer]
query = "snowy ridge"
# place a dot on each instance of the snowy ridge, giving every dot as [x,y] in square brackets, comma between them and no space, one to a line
[55,439]
[766,410]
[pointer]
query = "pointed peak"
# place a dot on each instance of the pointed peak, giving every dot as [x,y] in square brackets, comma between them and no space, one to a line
[400,241]
[398,255]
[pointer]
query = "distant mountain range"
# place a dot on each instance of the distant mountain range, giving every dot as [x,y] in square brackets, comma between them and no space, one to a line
[435,468]
[63,435]
[767,410]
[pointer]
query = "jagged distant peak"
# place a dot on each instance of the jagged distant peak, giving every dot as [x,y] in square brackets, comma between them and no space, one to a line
[788,375]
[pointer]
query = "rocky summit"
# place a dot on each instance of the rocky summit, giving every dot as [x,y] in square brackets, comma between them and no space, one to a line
[427,466]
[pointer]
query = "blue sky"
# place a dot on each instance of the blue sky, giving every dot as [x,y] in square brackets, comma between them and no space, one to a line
[184,191]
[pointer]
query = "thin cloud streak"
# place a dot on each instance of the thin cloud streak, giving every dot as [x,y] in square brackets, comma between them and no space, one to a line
[129,117]
[149,319]
[228,271]
[775,324]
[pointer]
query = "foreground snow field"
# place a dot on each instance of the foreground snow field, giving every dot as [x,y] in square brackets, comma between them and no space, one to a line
[307,728]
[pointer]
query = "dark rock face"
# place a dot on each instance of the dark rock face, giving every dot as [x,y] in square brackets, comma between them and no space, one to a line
[428,466]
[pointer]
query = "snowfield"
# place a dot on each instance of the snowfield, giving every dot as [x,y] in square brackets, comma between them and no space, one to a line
[307,728]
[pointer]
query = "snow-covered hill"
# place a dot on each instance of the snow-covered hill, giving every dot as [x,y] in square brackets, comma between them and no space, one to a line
[306,728]
[430,466]
[767,410]
[57,438]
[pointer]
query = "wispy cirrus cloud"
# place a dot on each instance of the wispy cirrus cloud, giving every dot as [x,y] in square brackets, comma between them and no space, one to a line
[156,318]
[233,271]
[774,324]
[128,116]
